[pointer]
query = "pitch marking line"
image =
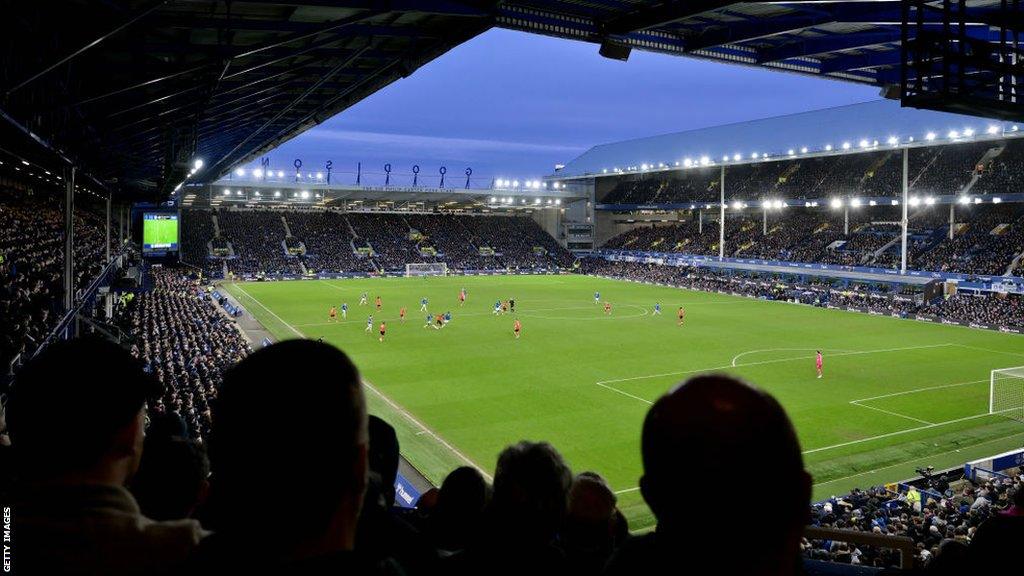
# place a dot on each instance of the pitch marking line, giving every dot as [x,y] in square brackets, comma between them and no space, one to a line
[742,354]
[891,413]
[989,350]
[774,361]
[866,472]
[387,400]
[916,390]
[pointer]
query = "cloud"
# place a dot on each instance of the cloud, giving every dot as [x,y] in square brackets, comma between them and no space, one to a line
[437,146]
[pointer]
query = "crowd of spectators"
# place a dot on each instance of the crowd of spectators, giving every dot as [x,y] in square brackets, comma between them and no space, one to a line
[993,310]
[333,242]
[32,267]
[931,170]
[186,342]
[328,241]
[257,238]
[986,238]
[1004,310]
[326,470]
[942,525]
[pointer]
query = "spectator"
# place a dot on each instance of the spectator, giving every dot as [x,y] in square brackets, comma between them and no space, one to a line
[995,544]
[382,535]
[700,430]
[288,484]
[458,516]
[591,525]
[531,489]
[76,420]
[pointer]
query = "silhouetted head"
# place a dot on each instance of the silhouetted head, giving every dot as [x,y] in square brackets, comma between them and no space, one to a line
[715,447]
[531,489]
[289,435]
[78,410]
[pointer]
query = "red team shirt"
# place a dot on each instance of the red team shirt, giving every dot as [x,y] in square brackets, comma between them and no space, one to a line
[517,325]
[817,361]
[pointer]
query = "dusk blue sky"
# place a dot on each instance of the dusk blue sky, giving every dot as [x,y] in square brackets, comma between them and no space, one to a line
[510,104]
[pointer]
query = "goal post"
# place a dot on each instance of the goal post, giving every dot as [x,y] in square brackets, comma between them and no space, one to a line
[426,269]
[1006,393]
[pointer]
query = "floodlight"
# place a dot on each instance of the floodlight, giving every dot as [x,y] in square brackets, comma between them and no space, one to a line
[736,157]
[915,201]
[953,134]
[558,200]
[837,203]
[929,201]
[968,132]
[964,200]
[754,155]
[256,193]
[765,155]
[277,193]
[240,172]
[977,200]
[893,140]
[515,183]
[737,205]
[993,129]
[319,175]
[792,152]
[803,150]
[305,194]
[257,173]
[704,160]
[197,164]
[855,202]
[846,145]
[238,193]
[227,192]
[863,143]
[828,147]
[725,158]
[929,136]
[997,200]
[687,163]
[493,199]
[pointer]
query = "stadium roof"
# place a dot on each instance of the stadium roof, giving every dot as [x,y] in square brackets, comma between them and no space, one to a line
[812,132]
[134,90]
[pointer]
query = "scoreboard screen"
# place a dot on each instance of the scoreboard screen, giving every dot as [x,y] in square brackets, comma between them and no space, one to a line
[159,232]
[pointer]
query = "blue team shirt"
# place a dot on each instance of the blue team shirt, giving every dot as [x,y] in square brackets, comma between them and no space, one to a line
[657,306]
[424,301]
[344,306]
[447,316]
[597,294]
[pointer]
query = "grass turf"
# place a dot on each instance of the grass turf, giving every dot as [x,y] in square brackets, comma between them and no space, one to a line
[897,394]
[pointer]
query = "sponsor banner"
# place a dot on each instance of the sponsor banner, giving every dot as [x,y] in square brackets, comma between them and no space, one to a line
[1005,283]
[406,495]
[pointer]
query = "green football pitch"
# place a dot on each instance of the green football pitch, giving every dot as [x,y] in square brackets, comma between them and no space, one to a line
[897,394]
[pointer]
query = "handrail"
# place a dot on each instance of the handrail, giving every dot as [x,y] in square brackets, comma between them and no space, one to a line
[903,544]
[86,296]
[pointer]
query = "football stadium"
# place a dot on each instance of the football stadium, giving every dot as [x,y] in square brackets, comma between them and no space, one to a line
[787,344]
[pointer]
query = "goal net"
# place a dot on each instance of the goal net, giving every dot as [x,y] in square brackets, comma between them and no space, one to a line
[426,269]
[1006,393]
